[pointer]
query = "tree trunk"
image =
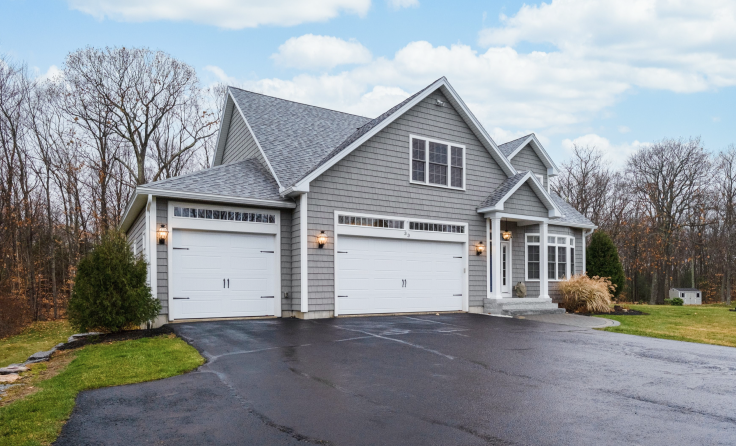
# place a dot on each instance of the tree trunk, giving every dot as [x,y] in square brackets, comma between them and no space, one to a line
[653,296]
[728,284]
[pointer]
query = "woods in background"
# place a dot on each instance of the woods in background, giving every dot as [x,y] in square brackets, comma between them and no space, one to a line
[73,149]
[669,211]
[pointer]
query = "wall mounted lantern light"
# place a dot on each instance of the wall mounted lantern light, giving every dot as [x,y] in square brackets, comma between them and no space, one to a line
[506,234]
[479,248]
[321,239]
[161,234]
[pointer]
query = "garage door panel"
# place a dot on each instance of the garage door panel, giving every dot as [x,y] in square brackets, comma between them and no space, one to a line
[210,257]
[389,275]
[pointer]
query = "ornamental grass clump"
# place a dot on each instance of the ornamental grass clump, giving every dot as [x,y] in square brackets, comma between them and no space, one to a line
[583,294]
[110,290]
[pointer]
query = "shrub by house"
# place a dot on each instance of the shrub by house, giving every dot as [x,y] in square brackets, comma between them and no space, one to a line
[603,261]
[110,290]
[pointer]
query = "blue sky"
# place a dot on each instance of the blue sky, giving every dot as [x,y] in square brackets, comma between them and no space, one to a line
[613,73]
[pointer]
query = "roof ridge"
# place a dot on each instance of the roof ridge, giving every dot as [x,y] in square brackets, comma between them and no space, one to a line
[299,103]
[514,140]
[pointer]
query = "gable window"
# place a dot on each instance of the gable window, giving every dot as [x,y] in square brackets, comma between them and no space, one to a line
[532,257]
[437,163]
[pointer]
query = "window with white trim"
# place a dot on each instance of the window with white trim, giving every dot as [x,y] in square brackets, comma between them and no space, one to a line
[532,257]
[559,250]
[437,163]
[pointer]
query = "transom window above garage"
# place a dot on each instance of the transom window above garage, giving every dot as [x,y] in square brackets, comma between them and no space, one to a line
[370,222]
[221,214]
[437,163]
[436,227]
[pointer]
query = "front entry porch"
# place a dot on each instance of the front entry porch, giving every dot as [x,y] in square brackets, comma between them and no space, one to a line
[518,253]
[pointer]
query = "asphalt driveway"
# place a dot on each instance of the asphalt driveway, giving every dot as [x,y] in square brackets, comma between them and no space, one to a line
[425,380]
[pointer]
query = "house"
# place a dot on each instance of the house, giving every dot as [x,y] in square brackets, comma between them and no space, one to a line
[689,296]
[314,213]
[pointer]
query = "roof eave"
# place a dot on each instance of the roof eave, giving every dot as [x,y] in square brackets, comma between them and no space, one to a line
[216,198]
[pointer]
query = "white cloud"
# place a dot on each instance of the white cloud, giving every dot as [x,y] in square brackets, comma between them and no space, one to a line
[398,4]
[231,14]
[52,73]
[616,154]
[681,46]
[313,52]
[623,129]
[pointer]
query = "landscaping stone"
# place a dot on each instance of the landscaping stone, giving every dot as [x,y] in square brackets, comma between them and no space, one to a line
[78,336]
[11,378]
[40,356]
[12,368]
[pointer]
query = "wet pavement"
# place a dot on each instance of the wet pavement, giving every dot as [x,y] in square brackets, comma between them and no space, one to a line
[455,379]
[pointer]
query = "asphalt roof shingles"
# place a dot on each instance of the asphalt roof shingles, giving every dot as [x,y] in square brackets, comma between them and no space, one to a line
[502,190]
[248,179]
[295,137]
[509,147]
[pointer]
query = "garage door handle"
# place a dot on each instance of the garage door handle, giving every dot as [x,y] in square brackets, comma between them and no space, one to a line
[342,252]
[342,296]
[183,248]
[268,251]
[181,298]
[457,294]
[267,297]
[458,257]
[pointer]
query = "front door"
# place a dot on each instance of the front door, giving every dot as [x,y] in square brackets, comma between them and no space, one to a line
[506,268]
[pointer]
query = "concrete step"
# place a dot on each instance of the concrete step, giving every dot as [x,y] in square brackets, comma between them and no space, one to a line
[521,307]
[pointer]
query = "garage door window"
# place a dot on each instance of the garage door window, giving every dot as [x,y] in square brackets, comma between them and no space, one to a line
[219,214]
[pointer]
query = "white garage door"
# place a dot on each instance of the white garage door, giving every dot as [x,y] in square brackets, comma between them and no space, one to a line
[393,276]
[222,274]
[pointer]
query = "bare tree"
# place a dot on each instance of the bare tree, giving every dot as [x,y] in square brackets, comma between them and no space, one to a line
[726,187]
[668,176]
[585,182]
[141,89]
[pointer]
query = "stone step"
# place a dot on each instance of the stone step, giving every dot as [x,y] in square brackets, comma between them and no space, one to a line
[534,311]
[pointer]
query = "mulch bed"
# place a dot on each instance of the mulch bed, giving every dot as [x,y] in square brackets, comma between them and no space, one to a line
[120,336]
[617,312]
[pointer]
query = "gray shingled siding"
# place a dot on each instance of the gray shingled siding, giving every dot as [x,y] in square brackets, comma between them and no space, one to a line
[525,202]
[285,259]
[296,284]
[240,144]
[162,256]
[137,231]
[527,159]
[375,179]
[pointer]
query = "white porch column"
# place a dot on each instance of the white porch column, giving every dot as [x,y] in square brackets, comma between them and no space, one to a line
[303,253]
[543,281]
[496,257]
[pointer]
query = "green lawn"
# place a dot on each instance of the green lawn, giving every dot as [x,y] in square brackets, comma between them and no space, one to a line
[706,324]
[39,336]
[38,418]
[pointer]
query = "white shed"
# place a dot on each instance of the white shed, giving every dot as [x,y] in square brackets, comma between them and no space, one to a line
[690,296]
